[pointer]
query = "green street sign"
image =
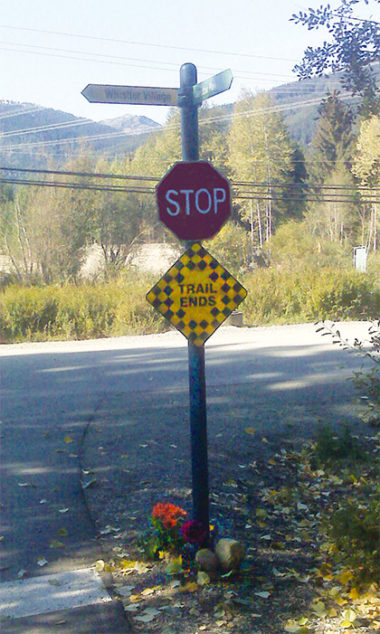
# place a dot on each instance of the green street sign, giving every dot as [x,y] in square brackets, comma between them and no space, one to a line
[212,86]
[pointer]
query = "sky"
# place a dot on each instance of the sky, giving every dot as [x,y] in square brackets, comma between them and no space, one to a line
[51,49]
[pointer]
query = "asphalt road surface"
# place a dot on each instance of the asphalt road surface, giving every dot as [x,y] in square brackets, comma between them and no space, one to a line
[50,394]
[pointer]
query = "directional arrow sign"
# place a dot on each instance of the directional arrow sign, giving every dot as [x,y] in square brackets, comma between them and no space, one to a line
[139,95]
[212,86]
[196,294]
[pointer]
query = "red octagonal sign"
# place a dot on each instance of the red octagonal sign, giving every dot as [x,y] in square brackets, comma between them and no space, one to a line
[194,200]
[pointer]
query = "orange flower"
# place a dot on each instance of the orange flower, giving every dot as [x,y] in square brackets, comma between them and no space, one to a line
[169,523]
[168,514]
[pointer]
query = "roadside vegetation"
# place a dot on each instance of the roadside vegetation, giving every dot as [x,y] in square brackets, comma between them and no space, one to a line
[119,307]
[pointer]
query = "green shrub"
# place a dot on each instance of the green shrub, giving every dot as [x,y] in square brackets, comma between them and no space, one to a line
[355,532]
[120,307]
[333,447]
[280,296]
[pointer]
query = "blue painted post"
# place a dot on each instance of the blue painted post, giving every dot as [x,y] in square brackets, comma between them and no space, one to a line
[196,354]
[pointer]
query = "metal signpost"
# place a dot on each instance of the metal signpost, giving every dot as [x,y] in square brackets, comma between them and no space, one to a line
[196,294]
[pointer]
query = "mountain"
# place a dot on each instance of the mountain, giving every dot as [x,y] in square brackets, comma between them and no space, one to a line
[33,136]
[132,124]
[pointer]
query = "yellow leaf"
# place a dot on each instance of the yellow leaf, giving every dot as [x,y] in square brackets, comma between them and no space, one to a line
[349,615]
[319,609]
[345,624]
[340,600]
[354,594]
[332,613]
[303,620]
[125,564]
[250,430]
[265,440]
[346,576]
[135,598]
[68,439]
[190,586]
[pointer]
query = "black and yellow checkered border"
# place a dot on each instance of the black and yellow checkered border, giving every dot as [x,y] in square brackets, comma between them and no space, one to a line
[231,294]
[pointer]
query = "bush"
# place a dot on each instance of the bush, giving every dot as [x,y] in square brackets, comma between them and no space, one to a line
[355,532]
[77,312]
[120,307]
[278,296]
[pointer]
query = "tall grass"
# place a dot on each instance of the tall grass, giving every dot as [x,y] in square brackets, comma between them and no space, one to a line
[119,308]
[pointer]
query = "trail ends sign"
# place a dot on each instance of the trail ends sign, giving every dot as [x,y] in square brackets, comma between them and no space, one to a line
[194,200]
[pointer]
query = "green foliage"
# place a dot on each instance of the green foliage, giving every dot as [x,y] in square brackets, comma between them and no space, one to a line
[77,312]
[353,47]
[231,247]
[366,382]
[310,294]
[332,447]
[120,308]
[355,533]
[368,386]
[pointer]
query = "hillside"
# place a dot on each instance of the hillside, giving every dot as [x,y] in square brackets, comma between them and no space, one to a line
[32,136]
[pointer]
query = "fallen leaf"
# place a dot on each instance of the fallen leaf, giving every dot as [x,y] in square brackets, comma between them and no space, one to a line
[250,430]
[68,439]
[41,561]
[56,544]
[190,586]
[65,510]
[264,594]
[145,618]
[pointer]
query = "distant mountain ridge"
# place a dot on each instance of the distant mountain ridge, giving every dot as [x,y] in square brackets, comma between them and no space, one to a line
[32,136]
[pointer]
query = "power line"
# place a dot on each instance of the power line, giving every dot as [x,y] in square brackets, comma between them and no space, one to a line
[152,44]
[144,190]
[122,60]
[156,179]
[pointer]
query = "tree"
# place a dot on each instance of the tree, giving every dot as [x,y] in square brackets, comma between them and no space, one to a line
[334,218]
[117,224]
[353,48]
[260,152]
[332,144]
[366,168]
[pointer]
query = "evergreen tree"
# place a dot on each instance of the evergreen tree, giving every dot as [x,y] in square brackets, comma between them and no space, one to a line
[332,144]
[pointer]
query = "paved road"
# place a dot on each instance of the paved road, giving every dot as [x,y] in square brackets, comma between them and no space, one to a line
[52,392]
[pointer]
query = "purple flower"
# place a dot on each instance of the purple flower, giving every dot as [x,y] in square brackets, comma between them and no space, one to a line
[194,532]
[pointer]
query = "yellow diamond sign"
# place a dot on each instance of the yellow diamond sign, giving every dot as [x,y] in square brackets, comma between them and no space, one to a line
[196,294]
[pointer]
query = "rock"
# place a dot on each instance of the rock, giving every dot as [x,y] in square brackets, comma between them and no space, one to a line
[202,578]
[230,554]
[207,561]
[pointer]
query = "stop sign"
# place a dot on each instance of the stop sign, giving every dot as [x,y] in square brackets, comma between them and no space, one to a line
[194,200]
